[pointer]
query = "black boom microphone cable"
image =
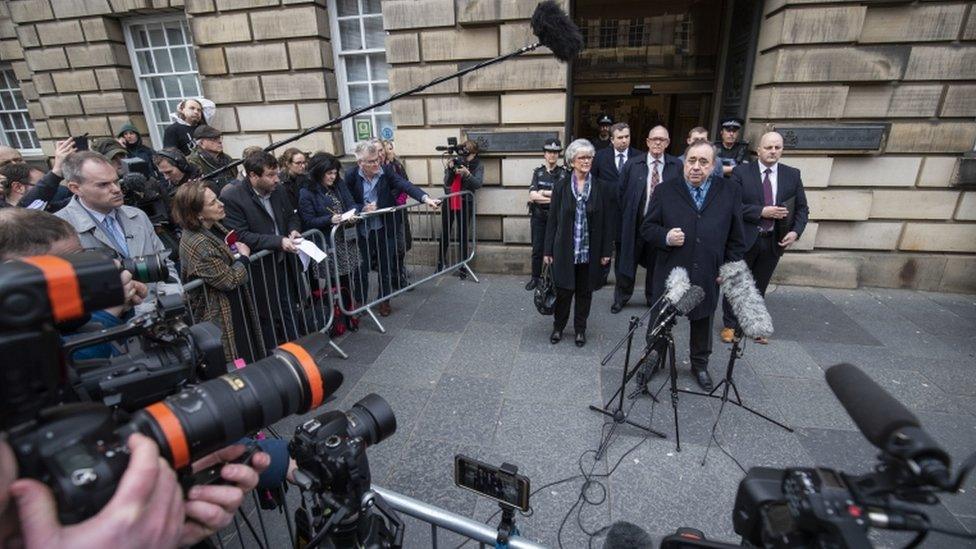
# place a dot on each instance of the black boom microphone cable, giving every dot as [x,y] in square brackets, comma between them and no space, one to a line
[550,24]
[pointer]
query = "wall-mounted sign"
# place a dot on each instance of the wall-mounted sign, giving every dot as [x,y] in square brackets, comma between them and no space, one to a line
[862,137]
[497,142]
[364,129]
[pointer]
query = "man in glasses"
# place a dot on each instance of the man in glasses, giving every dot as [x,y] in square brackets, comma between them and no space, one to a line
[638,180]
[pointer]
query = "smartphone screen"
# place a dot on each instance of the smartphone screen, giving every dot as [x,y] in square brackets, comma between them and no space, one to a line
[81,143]
[491,482]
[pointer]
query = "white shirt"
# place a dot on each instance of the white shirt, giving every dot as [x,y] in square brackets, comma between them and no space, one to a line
[616,157]
[650,176]
[773,177]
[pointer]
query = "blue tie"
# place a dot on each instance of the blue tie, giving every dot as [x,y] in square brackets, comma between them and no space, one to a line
[699,200]
[117,235]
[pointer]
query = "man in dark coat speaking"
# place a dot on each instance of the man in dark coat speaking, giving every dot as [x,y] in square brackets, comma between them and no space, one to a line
[696,223]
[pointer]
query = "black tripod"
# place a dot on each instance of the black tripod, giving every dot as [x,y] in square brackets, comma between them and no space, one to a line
[729,383]
[618,414]
[662,342]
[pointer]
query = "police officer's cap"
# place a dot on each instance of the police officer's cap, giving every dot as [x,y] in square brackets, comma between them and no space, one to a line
[553,145]
[732,123]
[605,120]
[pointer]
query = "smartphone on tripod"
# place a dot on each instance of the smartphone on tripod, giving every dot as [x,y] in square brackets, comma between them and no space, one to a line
[504,486]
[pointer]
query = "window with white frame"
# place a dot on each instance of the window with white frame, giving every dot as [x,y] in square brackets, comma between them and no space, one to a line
[161,50]
[359,42]
[16,128]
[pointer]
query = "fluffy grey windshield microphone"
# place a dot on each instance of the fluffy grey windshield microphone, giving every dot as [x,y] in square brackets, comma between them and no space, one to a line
[739,288]
[676,285]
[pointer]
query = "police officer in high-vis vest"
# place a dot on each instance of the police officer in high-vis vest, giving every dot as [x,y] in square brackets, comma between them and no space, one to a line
[544,179]
[729,151]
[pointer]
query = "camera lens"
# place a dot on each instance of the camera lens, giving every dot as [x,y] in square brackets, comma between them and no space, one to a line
[213,414]
[147,268]
[372,419]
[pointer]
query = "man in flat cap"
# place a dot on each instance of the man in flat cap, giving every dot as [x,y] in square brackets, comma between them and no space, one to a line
[602,141]
[208,155]
[730,151]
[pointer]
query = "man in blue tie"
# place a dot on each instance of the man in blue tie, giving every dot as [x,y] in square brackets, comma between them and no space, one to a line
[696,220]
[102,220]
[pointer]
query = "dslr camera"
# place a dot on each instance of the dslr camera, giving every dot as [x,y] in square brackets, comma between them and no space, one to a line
[76,445]
[456,154]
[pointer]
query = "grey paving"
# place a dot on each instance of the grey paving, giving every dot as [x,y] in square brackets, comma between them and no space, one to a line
[468,368]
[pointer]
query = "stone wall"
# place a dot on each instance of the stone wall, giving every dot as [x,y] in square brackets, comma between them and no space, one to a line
[897,217]
[432,38]
[266,64]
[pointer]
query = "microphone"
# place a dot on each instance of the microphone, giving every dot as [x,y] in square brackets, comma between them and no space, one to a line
[887,424]
[624,535]
[556,31]
[739,288]
[685,305]
[676,285]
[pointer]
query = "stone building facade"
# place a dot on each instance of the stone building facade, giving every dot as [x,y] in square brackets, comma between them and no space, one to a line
[900,215]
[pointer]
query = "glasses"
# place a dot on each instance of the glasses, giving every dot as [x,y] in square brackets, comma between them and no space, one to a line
[587,158]
[372,162]
[658,139]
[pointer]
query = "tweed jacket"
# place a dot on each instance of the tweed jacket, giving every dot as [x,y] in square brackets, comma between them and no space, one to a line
[204,256]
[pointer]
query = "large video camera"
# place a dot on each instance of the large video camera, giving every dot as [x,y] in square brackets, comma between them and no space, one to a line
[78,448]
[330,451]
[143,189]
[457,155]
[818,507]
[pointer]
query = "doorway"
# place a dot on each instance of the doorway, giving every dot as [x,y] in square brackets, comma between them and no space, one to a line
[647,63]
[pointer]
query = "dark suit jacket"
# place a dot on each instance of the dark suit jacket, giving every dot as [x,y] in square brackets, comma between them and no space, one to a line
[317,208]
[788,185]
[559,233]
[633,189]
[389,187]
[605,171]
[247,216]
[712,236]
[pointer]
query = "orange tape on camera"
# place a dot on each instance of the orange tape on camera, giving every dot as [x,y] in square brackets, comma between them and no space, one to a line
[311,371]
[169,424]
[63,290]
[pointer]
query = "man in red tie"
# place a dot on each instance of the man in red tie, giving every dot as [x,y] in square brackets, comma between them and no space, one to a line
[774,213]
[639,177]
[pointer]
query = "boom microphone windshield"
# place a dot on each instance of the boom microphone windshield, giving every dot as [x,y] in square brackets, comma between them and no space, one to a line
[676,285]
[690,300]
[739,288]
[551,25]
[556,31]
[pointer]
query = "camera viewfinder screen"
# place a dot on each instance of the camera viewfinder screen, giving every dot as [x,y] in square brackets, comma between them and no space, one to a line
[488,481]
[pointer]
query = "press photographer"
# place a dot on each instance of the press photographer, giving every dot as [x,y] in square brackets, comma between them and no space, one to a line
[464,172]
[147,509]
[98,214]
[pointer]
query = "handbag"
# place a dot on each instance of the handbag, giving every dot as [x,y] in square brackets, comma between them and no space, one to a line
[545,293]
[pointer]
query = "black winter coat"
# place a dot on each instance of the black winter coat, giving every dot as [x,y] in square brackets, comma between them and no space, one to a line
[247,216]
[633,190]
[605,170]
[712,236]
[788,185]
[559,232]
[317,207]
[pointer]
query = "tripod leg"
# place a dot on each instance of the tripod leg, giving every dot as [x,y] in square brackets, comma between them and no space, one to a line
[674,392]
[718,417]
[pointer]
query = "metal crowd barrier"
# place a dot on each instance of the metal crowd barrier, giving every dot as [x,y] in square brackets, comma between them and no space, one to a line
[388,252]
[290,301]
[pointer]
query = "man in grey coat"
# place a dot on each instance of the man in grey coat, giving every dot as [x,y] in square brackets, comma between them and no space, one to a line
[96,211]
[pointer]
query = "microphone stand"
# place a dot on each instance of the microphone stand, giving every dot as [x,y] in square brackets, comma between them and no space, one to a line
[664,343]
[618,414]
[729,383]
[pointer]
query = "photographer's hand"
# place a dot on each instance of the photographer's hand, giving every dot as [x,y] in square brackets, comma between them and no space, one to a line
[210,508]
[464,171]
[146,510]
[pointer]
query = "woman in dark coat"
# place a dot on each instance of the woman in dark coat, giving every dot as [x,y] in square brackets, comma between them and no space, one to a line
[321,204]
[225,298]
[579,241]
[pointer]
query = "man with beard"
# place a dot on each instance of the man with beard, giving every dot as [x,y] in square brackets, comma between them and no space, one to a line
[209,156]
[179,134]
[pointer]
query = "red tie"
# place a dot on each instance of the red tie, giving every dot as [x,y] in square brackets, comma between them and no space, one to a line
[767,224]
